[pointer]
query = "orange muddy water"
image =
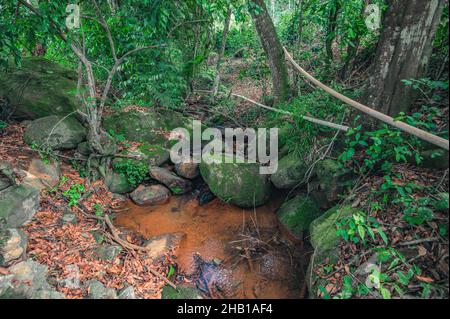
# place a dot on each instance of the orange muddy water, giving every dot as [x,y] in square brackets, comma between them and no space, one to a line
[258,261]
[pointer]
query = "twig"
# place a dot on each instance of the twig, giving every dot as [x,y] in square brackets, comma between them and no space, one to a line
[419,241]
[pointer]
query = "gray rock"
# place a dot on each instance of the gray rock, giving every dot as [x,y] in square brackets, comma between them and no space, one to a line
[43,175]
[30,280]
[176,184]
[297,214]
[108,252]
[39,88]
[291,172]
[150,195]
[98,291]
[187,170]
[333,181]
[55,132]
[127,293]
[13,245]
[18,204]
[84,149]
[118,183]
[4,183]
[69,218]
[237,183]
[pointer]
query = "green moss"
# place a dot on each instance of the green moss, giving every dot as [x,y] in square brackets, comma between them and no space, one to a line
[180,293]
[240,184]
[39,88]
[323,229]
[298,213]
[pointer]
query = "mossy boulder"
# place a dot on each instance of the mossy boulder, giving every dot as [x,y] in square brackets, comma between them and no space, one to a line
[148,126]
[435,159]
[322,230]
[39,88]
[332,182]
[297,214]
[18,204]
[291,172]
[240,184]
[325,241]
[55,132]
[118,183]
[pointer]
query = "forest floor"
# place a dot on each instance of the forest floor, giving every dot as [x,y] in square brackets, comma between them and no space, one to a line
[63,246]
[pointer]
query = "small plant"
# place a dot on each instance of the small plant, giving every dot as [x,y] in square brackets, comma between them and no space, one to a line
[3,125]
[99,212]
[358,227]
[73,194]
[133,170]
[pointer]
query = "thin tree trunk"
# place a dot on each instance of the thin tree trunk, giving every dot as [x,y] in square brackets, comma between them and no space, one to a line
[403,53]
[273,49]
[222,52]
[331,29]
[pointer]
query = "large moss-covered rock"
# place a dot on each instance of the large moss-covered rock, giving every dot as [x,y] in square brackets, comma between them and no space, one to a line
[39,88]
[435,159]
[323,229]
[297,214]
[18,204]
[325,241]
[145,126]
[118,183]
[55,132]
[291,172]
[332,181]
[240,184]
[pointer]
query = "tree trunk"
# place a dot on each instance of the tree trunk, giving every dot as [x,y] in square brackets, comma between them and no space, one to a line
[403,52]
[331,29]
[226,29]
[273,49]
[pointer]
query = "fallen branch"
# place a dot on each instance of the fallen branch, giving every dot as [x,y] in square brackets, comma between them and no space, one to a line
[423,135]
[305,117]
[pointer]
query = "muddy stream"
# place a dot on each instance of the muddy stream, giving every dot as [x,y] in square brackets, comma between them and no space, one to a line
[227,252]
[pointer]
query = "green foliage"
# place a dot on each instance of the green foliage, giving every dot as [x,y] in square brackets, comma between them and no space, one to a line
[73,194]
[135,171]
[3,125]
[359,228]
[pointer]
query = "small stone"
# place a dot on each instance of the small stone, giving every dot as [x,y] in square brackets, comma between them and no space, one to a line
[150,195]
[108,252]
[96,290]
[187,170]
[127,293]
[69,218]
[176,184]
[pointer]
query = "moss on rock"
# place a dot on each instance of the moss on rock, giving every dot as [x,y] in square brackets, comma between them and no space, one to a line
[297,214]
[240,184]
[55,132]
[291,171]
[39,88]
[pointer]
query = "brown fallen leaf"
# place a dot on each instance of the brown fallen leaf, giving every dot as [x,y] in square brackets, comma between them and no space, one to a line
[427,280]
